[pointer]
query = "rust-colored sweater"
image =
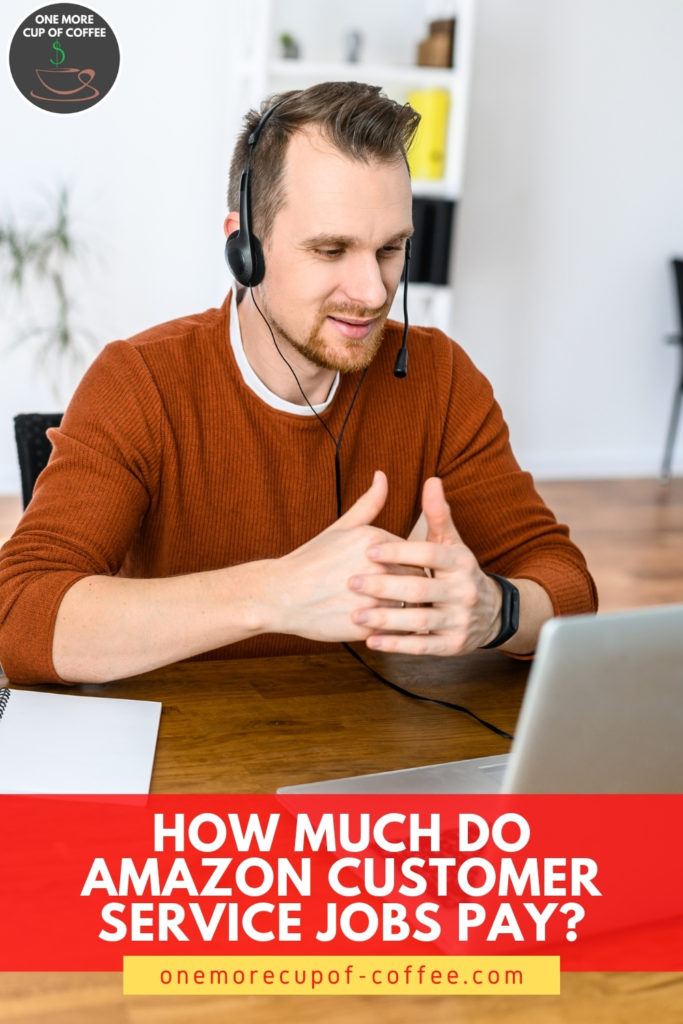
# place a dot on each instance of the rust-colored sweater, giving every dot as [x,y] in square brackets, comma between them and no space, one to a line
[167,463]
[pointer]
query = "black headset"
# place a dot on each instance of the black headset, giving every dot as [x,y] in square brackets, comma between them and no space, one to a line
[244,252]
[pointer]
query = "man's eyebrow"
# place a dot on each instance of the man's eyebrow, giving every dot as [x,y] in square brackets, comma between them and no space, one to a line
[348,241]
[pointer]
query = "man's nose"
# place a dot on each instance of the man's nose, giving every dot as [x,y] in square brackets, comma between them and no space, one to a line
[363,283]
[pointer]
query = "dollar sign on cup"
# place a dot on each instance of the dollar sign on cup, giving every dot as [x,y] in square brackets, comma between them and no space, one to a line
[56,46]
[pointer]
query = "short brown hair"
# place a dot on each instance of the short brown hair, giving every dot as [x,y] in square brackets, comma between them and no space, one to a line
[356,118]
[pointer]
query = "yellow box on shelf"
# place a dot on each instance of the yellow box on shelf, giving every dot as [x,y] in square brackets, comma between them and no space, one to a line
[427,155]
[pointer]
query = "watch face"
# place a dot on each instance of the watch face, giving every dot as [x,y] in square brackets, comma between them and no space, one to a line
[510,611]
[514,609]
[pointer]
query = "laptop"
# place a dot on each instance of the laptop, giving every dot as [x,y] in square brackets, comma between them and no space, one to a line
[602,713]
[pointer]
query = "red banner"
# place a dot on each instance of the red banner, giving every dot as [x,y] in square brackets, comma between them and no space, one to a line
[595,879]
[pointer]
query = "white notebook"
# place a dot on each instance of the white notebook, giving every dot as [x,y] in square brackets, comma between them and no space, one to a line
[62,743]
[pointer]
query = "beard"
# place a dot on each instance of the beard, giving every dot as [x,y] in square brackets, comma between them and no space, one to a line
[349,355]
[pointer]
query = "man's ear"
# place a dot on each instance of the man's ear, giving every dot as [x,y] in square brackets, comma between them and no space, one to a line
[232,223]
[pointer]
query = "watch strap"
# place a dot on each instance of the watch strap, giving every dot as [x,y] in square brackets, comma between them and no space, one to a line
[509,612]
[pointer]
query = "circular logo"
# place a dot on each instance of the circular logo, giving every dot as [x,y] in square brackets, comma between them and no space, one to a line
[64,58]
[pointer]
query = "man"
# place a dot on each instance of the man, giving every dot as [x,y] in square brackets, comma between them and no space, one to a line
[189,507]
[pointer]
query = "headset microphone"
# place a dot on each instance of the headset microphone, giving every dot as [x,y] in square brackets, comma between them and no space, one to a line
[401,364]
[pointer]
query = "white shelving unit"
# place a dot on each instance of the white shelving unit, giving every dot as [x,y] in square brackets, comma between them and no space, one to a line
[391,30]
[405,74]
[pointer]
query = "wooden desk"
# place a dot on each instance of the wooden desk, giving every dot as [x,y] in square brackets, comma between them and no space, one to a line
[250,726]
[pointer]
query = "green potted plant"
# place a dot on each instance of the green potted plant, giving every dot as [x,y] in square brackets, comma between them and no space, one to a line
[36,260]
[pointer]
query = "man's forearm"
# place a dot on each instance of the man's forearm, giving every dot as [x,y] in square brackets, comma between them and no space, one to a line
[112,627]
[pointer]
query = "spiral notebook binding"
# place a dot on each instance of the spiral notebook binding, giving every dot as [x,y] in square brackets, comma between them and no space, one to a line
[4,700]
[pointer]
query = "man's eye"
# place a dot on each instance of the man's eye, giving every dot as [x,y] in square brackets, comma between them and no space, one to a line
[387,250]
[329,252]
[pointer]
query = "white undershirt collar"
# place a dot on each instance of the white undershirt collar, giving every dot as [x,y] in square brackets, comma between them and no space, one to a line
[256,384]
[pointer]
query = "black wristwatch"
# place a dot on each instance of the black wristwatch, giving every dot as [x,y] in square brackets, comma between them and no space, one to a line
[509,612]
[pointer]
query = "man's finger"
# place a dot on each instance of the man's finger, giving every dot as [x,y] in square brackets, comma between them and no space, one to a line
[405,620]
[434,644]
[368,506]
[403,589]
[425,554]
[440,526]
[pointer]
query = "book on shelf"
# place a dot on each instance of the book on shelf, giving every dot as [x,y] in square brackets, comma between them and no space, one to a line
[427,154]
[431,243]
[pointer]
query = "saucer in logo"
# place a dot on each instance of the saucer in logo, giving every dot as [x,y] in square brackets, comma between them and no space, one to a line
[64,58]
[65,85]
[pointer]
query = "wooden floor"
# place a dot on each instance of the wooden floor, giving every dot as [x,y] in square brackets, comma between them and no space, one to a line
[631,532]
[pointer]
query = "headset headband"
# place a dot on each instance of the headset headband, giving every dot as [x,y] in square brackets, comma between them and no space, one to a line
[243,250]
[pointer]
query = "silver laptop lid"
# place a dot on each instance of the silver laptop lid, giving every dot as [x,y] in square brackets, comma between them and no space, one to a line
[603,710]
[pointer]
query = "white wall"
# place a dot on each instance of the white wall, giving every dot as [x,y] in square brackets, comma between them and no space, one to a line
[573,205]
[148,167]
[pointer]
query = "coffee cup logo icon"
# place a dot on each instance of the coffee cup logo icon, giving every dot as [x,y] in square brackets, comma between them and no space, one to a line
[66,85]
[64,58]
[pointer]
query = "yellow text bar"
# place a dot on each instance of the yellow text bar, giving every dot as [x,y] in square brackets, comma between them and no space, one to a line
[343,976]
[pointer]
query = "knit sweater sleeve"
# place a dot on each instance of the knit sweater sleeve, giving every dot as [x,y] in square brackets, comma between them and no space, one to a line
[495,506]
[86,506]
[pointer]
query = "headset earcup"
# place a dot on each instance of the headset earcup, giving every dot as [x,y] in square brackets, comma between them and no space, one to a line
[259,263]
[234,256]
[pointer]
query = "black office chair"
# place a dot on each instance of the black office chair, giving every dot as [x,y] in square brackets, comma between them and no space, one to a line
[676,339]
[33,446]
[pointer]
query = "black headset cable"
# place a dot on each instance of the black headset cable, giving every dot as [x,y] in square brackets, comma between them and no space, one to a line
[337,441]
